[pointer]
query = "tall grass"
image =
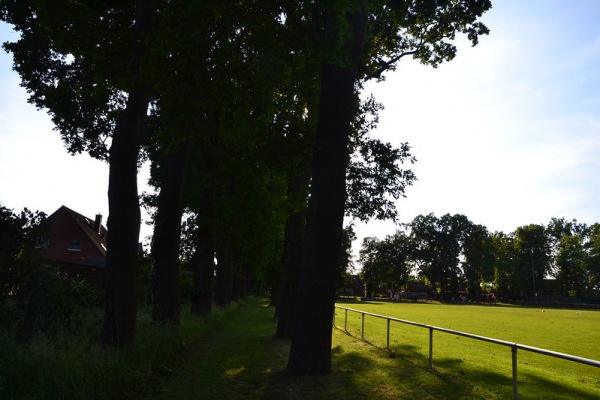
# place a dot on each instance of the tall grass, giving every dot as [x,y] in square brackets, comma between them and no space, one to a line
[72,364]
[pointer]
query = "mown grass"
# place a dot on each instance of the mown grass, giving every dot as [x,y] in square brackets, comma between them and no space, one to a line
[486,366]
[245,361]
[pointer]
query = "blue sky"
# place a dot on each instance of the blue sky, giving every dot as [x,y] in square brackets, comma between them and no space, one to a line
[507,134]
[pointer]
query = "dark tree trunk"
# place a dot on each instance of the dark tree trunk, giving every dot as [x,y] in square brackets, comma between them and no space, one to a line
[293,242]
[206,210]
[166,303]
[224,271]
[236,284]
[124,211]
[246,279]
[124,228]
[204,270]
[286,297]
[310,352]
[369,289]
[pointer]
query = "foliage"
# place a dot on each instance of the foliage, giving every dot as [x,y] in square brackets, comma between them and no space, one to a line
[387,263]
[35,296]
[438,245]
[22,235]
[478,264]
[71,363]
[69,64]
[375,176]
[346,262]
[451,253]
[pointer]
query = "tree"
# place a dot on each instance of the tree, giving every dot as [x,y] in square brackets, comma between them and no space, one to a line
[533,261]
[478,262]
[593,261]
[85,63]
[310,352]
[571,262]
[123,204]
[356,39]
[439,243]
[375,175]
[370,262]
[346,262]
[400,255]
[386,263]
[164,283]
[22,236]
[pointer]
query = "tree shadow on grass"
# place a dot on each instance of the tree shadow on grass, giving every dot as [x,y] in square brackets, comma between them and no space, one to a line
[244,361]
[449,377]
[529,383]
[362,371]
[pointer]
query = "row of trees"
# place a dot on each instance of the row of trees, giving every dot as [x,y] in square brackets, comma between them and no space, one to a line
[250,115]
[451,253]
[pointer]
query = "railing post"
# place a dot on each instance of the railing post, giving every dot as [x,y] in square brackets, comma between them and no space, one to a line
[430,348]
[346,321]
[514,372]
[388,334]
[362,328]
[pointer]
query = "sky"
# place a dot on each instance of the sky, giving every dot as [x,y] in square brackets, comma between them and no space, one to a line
[508,133]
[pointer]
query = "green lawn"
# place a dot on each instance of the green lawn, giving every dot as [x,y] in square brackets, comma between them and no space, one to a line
[244,361]
[487,366]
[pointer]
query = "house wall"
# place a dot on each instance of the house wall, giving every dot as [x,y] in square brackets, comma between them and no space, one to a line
[64,229]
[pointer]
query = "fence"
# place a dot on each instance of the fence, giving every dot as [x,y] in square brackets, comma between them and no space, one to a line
[513,346]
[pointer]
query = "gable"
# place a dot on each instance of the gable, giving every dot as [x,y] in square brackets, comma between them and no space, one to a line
[76,239]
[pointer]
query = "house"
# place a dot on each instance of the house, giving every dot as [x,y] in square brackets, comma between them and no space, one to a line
[353,286]
[77,245]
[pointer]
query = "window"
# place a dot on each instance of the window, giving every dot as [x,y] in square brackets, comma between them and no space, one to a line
[74,245]
[42,244]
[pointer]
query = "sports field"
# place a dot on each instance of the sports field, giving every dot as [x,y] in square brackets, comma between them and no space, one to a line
[575,332]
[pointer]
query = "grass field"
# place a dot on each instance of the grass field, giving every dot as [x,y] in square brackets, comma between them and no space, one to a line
[484,365]
[244,361]
[233,354]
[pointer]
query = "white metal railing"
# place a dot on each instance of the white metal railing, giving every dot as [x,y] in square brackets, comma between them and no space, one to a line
[514,346]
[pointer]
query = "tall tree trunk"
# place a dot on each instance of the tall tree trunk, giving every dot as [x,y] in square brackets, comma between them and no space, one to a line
[204,270]
[206,210]
[287,291]
[293,242]
[224,270]
[236,282]
[124,210]
[310,352]
[246,278]
[166,303]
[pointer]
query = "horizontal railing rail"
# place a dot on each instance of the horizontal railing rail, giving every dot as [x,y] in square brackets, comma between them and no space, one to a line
[514,346]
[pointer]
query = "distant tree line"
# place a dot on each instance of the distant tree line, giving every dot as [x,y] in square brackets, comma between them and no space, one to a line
[451,254]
